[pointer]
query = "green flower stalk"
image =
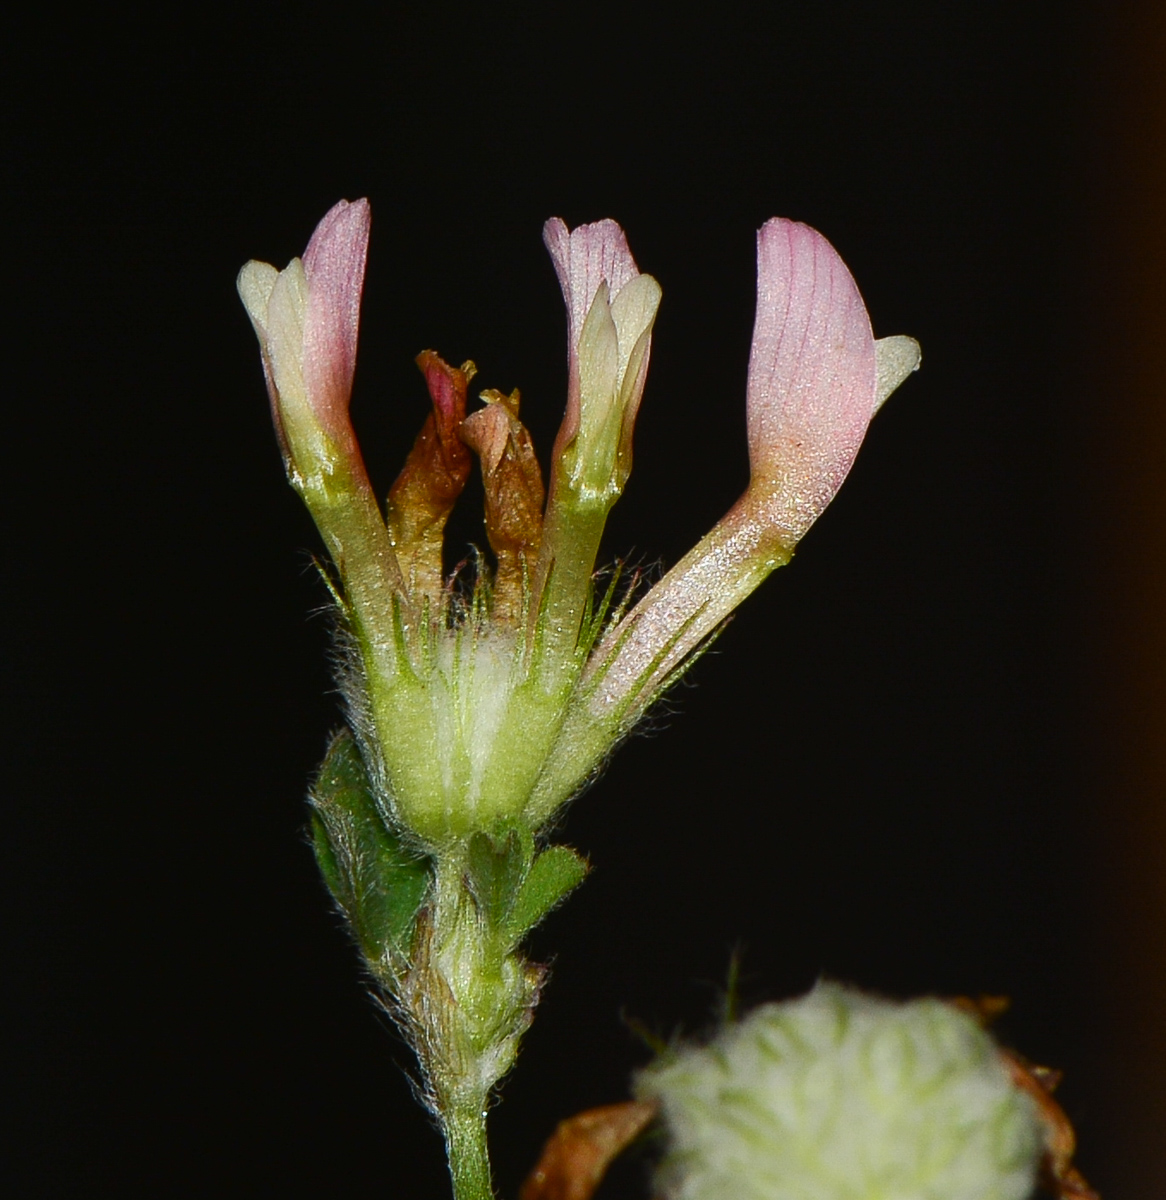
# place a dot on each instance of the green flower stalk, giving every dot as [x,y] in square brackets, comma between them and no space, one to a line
[841,1095]
[474,714]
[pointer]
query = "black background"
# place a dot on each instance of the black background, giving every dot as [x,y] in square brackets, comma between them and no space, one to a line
[888,770]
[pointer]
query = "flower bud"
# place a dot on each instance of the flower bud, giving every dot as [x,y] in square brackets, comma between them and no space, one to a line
[611,308]
[307,318]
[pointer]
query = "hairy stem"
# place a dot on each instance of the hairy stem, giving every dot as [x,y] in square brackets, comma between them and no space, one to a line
[469,1158]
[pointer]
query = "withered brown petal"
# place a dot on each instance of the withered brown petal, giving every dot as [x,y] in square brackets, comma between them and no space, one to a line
[514,494]
[447,389]
[433,477]
[510,470]
[982,1009]
[1060,1176]
[577,1155]
[487,433]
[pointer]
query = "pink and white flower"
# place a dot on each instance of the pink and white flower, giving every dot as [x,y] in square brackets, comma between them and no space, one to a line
[816,378]
[307,318]
[611,308]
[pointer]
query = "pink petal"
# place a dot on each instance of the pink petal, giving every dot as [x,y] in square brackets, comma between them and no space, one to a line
[334,265]
[447,390]
[811,391]
[584,258]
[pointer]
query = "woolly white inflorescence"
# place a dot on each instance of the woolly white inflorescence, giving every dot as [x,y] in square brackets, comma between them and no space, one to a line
[842,1096]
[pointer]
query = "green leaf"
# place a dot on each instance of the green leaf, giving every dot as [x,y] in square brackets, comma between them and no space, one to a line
[496,865]
[325,859]
[375,878]
[555,873]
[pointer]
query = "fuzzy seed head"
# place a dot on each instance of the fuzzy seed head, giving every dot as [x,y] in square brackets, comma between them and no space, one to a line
[843,1096]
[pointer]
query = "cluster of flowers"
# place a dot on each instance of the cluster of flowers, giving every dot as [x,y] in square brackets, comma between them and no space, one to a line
[471,721]
[504,709]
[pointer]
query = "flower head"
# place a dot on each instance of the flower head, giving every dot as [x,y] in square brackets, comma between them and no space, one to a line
[842,1094]
[502,708]
[476,712]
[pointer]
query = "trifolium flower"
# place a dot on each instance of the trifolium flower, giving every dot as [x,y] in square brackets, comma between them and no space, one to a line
[843,1096]
[477,707]
[500,706]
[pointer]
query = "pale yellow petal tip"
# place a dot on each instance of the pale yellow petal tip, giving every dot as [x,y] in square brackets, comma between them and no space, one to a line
[895,359]
[255,283]
[634,308]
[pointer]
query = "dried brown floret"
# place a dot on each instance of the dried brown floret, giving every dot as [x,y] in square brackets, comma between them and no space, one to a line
[432,478]
[577,1155]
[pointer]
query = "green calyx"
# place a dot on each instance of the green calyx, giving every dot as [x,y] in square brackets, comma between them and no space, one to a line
[479,721]
[381,881]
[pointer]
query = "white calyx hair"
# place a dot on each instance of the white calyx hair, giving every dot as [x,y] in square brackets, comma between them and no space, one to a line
[844,1096]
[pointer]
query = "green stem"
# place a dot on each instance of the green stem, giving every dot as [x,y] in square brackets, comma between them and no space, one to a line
[469,1157]
[571,540]
[340,498]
